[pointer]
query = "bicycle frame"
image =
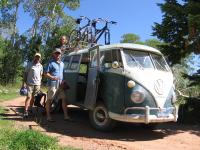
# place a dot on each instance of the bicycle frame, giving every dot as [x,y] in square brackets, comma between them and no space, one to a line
[105,30]
[89,34]
[83,34]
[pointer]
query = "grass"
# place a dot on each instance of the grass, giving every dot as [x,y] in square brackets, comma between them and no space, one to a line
[9,92]
[4,123]
[25,139]
[22,139]
[12,91]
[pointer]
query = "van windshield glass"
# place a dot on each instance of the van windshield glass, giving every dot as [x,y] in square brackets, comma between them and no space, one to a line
[138,59]
[160,62]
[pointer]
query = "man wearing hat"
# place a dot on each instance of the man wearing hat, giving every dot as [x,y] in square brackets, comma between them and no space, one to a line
[54,73]
[32,81]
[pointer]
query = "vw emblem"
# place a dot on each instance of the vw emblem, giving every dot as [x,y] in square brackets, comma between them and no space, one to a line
[159,86]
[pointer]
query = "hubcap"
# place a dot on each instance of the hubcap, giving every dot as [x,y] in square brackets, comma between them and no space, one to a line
[100,116]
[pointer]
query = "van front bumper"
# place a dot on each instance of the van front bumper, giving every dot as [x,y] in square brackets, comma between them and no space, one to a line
[146,117]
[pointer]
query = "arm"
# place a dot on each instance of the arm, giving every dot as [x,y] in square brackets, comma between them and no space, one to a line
[49,76]
[24,79]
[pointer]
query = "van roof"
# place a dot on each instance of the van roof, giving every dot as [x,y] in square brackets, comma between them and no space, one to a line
[121,45]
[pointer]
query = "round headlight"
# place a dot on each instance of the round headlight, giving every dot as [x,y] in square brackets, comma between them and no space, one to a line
[131,84]
[137,97]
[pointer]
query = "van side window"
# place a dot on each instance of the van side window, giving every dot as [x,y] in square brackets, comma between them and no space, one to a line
[75,62]
[116,56]
[83,70]
[108,57]
[84,64]
[66,62]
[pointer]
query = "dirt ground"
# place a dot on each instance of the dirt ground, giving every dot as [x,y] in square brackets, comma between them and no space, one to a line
[79,134]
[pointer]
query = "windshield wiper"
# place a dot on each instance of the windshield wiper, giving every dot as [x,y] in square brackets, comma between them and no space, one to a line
[138,64]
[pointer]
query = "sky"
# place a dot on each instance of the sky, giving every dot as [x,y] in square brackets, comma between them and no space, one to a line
[132,16]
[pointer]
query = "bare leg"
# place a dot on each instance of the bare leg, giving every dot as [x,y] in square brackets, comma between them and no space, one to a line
[64,107]
[32,101]
[48,106]
[27,101]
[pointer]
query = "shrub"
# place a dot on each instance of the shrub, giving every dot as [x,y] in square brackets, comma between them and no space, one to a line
[32,140]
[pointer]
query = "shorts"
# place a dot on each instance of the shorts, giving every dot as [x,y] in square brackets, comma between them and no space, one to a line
[51,92]
[32,90]
[56,93]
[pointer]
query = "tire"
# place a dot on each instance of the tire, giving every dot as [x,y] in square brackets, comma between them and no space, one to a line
[99,118]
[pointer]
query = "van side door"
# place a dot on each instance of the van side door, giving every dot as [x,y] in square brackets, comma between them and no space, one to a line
[92,82]
[71,72]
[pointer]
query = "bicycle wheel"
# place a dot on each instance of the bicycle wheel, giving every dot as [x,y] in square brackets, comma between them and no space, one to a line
[74,38]
[84,39]
[107,37]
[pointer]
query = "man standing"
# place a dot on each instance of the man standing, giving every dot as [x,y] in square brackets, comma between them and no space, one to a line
[54,73]
[32,79]
[63,44]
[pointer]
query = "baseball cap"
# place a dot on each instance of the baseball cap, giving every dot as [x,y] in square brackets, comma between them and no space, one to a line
[38,54]
[57,50]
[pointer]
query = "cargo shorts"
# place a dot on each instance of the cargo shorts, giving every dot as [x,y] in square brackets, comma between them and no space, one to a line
[32,90]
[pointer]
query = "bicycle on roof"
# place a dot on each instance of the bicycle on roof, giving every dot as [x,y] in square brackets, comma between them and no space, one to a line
[89,34]
[104,30]
[81,35]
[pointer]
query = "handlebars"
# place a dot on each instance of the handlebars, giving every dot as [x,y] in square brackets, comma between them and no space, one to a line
[78,20]
[105,20]
[94,21]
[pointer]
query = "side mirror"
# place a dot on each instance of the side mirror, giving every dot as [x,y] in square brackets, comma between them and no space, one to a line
[115,65]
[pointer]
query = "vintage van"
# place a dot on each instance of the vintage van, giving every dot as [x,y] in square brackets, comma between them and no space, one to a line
[121,82]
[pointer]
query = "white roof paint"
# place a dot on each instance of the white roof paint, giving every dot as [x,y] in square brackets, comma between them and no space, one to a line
[121,45]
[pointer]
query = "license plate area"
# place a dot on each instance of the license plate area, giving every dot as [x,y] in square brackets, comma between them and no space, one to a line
[164,113]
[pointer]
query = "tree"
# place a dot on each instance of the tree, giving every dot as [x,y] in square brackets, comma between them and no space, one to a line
[50,21]
[48,15]
[12,53]
[180,29]
[130,38]
[154,43]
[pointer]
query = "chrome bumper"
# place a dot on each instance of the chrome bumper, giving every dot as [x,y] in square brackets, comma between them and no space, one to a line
[147,117]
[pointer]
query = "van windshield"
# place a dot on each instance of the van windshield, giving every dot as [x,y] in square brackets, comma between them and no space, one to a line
[145,60]
[160,62]
[138,59]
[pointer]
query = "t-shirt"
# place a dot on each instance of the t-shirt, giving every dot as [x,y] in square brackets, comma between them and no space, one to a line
[34,73]
[55,69]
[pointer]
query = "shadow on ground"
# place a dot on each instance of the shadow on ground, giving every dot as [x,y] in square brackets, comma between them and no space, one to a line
[80,126]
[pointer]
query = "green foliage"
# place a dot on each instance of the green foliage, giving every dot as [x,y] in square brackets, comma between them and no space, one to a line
[50,21]
[130,38]
[154,43]
[180,28]
[19,139]
[133,38]
[31,140]
[9,91]
[12,139]
[189,112]
[13,57]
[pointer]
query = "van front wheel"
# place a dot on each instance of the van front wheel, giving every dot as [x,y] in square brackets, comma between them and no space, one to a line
[99,118]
